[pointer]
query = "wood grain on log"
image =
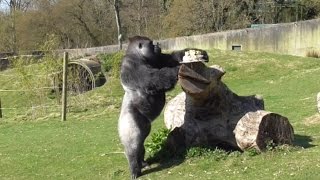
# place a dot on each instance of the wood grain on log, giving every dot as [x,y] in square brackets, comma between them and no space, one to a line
[261,128]
[208,113]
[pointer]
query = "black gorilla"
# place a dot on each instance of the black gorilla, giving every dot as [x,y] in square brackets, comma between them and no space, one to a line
[146,74]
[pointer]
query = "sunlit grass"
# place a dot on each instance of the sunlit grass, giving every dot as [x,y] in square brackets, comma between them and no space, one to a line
[86,146]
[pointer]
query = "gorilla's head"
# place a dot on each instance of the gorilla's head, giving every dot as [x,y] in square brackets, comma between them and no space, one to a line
[143,47]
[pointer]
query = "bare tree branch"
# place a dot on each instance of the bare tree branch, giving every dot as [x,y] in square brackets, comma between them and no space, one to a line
[116,7]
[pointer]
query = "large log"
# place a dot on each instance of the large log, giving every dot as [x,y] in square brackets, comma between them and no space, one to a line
[208,113]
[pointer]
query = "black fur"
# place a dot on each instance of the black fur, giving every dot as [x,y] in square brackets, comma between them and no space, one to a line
[146,74]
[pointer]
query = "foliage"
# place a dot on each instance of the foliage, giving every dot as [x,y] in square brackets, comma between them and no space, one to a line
[312,8]
[313,53]
[111,63]
[87,23]
[36,85]
[207,16]
[158,143]
[203,152]
[252,152]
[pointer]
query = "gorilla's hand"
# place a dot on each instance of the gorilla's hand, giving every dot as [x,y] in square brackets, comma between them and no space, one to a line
[157,48]
[195,55]
[179,55]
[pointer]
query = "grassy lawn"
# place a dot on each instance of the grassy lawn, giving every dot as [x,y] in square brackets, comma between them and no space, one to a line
[86,146]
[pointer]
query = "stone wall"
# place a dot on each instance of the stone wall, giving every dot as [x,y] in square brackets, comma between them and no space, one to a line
[290,38]
[296,38]
[74,53]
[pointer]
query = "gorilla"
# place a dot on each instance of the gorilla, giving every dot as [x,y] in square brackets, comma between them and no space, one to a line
[146,74]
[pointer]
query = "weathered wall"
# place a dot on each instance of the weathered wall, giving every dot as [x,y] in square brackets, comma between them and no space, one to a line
[92,51]
[290,38]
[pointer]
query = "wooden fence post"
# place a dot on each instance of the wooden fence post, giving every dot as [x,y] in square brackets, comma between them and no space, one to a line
[0,109]
[64,86]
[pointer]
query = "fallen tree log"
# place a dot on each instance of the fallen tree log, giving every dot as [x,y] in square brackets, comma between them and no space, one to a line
[208,113]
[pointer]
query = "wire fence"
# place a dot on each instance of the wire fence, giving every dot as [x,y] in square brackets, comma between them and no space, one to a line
[22,90]
[29,94]
[50,87]
[27,103]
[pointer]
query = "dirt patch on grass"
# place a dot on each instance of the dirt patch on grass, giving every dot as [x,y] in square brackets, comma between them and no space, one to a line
[315,119]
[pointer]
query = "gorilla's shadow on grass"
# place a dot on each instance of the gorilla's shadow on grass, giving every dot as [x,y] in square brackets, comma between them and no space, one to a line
[169,157]
[303,141]
[166,158]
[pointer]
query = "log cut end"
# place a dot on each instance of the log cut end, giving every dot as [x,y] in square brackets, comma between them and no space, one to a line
[261,128]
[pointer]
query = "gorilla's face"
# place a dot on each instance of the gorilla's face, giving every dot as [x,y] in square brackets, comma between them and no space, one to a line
[144,47]
[147,49]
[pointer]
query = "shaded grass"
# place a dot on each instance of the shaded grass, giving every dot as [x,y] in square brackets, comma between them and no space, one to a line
[87,145]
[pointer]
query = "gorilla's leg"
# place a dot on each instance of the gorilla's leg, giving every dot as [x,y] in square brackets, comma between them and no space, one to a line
[132,155]
[143,162]
[145,126]
[133,130]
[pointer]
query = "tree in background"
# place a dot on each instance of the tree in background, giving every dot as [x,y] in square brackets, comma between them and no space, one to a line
[312,8]
[5,39]
[187,17]
[24,24]
[143,17]
[15,7]
[116,6]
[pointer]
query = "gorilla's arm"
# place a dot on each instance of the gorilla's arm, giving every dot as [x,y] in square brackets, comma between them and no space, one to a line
[150,80]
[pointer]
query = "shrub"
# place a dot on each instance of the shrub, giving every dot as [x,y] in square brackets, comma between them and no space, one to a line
[158,140]
[157,147]
[313,53]
[34,77]
[214,153]
[111,63]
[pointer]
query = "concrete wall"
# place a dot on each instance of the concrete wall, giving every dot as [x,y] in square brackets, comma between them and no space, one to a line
[290,38]
[92,51]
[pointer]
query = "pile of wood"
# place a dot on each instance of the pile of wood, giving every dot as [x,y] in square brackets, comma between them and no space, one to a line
[208,113]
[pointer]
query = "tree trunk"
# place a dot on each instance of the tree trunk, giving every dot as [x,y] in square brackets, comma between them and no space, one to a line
[208,113]
[116,5]
[13,10]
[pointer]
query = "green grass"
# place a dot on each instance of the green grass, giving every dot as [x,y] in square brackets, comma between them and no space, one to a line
[86,146]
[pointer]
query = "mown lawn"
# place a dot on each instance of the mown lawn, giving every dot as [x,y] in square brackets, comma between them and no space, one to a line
[86,146]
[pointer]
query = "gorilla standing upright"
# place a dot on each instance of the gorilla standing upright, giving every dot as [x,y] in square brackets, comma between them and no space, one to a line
[146,74]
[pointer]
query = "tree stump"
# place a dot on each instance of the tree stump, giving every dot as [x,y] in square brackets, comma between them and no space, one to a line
[208,113]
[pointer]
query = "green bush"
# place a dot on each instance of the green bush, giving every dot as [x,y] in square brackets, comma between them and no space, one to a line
[313,53]
[35,77]
[157,148]
[111,63]
[197,152]
[158,140]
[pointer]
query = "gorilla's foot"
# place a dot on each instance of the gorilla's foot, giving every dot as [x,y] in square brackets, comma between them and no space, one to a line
[145,165]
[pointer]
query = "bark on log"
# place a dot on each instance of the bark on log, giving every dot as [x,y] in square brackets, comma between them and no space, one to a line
[208,113]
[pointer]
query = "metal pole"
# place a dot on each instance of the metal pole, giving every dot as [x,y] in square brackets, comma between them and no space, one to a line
[0,109]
